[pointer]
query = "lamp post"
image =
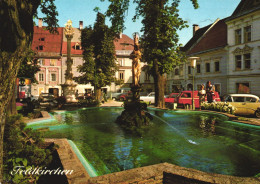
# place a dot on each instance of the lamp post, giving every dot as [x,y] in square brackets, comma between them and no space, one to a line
[193,61]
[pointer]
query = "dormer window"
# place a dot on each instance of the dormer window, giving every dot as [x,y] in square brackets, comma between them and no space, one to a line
[77,46]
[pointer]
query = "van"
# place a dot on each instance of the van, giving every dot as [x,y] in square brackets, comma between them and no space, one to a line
[185,99]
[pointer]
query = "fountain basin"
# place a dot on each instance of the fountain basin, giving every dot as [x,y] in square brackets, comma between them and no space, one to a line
[202,141]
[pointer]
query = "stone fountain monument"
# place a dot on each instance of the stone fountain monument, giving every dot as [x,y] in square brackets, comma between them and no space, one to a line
[135,116]
[68,88]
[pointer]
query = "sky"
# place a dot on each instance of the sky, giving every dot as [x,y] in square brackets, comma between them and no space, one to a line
[207,13]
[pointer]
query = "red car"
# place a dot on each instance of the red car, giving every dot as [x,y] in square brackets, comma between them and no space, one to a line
[123,96]
[185,98]
[170,100]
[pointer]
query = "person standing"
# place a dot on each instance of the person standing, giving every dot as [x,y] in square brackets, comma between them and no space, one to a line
[202,94]
[210,92]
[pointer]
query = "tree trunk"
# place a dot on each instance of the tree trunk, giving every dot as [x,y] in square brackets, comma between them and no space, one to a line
[11,109]
[158,86]
[98,94]
[15,39]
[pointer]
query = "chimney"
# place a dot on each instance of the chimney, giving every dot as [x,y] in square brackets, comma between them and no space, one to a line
[80,25]
[195,28]
[40,22]
[120,35]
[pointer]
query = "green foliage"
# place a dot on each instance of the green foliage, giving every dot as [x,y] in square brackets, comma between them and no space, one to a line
[219,106]
[29,67]
[160,46]
[48,8]
[22,148]
[99,55]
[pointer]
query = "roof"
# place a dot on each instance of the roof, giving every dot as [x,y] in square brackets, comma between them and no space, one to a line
[199,33]
[245,7]
[46,42]
[243,95]
[124,43]
[73,50]
[208,38]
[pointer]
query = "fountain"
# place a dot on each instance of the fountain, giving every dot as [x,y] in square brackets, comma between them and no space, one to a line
[135,118]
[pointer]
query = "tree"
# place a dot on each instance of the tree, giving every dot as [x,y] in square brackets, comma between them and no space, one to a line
[160,39]
[28,69]
[99,55]
[16,17]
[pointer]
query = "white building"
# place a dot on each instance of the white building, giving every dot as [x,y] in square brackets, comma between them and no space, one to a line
[229,51]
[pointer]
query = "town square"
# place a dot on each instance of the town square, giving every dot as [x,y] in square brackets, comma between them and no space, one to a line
[130,91]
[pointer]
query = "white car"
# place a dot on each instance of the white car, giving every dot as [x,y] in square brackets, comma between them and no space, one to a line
[149,98]
[246,104]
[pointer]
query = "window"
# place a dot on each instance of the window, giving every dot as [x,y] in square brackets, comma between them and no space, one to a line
[40,47]
[198,68]
[186,95]
[42,39]
[41,77]
[238,62]
[53,62]
[242,87]
[247,34]
[217,66]
[238,36]
[147,76]
[176,71]
[207,67]
[53,77]
[247,59]
[121,75]
[181,70]
[77,46]
[41,62]
[122,62]
[189,69]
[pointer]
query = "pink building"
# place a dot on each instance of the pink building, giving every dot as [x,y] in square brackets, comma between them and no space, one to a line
[48,47]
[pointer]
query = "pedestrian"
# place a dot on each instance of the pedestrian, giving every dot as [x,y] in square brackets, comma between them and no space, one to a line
[77,94]
[202,94]
[210,89]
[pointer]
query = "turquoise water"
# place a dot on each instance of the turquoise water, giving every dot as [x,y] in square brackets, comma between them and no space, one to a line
[203,141]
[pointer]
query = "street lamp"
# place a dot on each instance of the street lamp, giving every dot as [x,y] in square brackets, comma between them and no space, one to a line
[193,61]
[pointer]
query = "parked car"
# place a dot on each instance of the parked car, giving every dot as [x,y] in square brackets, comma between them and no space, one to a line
[123,96]
[185,99]
[47,100]
[119,92]
[246,104]
[169,100]
[149,98]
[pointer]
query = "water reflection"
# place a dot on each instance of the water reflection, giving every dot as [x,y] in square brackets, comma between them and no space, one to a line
[207,125]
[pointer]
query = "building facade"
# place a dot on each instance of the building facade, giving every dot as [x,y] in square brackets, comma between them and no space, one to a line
[47,47]
[229,52]
[244,48]
[51,50]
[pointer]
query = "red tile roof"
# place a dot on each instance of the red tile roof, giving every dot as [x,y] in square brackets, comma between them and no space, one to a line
[124,43]
[73,50]
[216,37]
[42,38]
